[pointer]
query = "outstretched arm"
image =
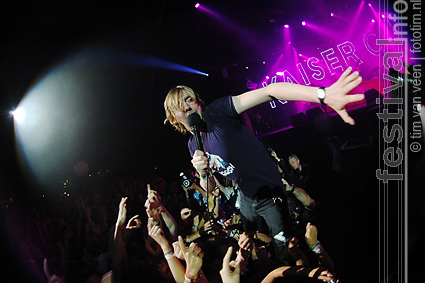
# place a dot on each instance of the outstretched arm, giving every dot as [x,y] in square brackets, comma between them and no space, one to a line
[336,95]
[318,273]
[301,195]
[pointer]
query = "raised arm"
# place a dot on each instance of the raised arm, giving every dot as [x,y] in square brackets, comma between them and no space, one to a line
[322,256]
[336,95]
[176,267]
[301,195]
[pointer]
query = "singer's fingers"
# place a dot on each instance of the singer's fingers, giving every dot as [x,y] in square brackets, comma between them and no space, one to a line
[345,74]
[198,153]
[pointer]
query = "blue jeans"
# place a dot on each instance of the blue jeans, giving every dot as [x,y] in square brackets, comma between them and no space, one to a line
[275,214]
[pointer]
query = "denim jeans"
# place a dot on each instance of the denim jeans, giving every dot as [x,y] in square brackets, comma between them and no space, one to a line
[276,216]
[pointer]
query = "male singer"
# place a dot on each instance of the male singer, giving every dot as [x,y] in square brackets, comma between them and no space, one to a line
[232,150]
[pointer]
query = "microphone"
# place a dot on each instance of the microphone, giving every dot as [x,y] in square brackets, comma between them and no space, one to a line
[195,121]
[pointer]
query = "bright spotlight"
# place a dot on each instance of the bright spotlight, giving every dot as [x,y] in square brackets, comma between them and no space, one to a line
[286,26]
[373,20]
[197,5]
[332,14]
[303,23]
[18,114]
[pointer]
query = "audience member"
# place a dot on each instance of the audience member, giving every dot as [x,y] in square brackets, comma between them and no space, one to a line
[175,241]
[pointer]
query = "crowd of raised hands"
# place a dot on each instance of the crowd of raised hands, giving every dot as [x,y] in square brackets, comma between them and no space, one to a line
[110,237]
[185,256]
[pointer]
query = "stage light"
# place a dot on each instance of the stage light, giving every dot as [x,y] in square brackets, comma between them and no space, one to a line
[197,5]
[373,20]
[383,16]
[332,14]
[370,5]
[286,26]
[303,23]
[18,114]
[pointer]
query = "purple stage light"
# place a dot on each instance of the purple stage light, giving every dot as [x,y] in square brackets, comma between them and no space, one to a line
[332,14]
[383,16]
[370,5]
[197,5]
[303,23]
[373,20]
[286,26]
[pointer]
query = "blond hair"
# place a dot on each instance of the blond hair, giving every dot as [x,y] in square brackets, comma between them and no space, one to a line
[174,102]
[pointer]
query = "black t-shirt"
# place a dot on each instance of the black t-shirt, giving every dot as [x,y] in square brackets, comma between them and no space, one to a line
[234,151]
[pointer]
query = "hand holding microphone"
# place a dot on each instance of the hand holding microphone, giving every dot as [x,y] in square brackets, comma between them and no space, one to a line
[199,160]
[200,163]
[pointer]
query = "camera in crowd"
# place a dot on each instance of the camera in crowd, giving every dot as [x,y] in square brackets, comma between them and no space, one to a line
[185,181]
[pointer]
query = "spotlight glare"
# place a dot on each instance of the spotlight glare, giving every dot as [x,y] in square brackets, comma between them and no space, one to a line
[286,26]
[303,23]
[383,16]
[373,20]
[18,114]
[332,14]
[197,5]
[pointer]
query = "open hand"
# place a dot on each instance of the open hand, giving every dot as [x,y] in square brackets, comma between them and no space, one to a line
[337,94]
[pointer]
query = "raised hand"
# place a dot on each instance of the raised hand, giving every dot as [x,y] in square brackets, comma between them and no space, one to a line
[310,234]
[193,256]
[231,271]
[234,220]
[153,199]
[246,243]
[178,253]
[156,233]
[122,212]
[51,278]
[134,223]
